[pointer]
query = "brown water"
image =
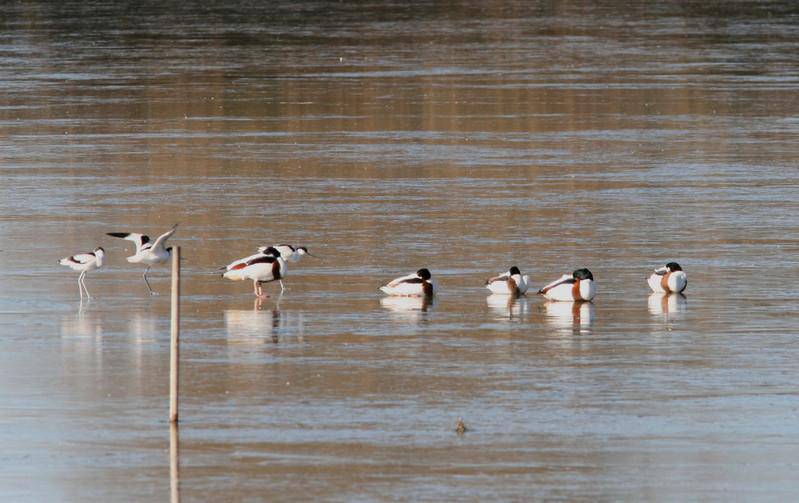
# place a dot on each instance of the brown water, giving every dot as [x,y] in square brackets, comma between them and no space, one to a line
[386,137]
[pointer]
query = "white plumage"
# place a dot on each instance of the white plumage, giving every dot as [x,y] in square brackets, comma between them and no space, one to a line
[147,252]
[263,267]
[289,253]
[509,283]
[668,279]
[578,286]
[84,262]
[413,285]
[235,270]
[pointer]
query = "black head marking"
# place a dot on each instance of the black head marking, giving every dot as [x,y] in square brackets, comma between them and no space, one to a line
[145,239]
[424,274]
[673,266]
[582,274]
[302,248]
[100,248]
[514,270]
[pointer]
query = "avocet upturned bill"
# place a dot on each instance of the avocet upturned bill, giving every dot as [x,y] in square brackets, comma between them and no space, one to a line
[509,283]
[147,252]
[266,267]
[413,285]
[84,262]
[668,279]
[290,253]
[576,286]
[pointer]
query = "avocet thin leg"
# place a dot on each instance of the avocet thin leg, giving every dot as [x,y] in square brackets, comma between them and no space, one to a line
[83,282]
[80,285]
[147,282]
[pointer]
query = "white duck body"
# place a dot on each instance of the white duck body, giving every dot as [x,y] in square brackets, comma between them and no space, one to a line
[413,285]
[572,290]
[575,287]
[668,279]
[509,283]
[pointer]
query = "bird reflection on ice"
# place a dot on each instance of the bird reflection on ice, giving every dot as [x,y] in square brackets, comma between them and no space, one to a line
[572,316]
[667,306]
[507,307]
[406,308]
[84,324]
[143,327]
[265,322]
[82,340]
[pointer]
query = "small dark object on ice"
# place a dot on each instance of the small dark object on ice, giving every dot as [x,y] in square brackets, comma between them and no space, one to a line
[460,427]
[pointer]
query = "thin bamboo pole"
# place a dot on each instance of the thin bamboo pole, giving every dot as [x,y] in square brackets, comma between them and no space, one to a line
[174,343]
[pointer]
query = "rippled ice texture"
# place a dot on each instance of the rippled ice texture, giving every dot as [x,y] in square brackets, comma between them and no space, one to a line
[384,136]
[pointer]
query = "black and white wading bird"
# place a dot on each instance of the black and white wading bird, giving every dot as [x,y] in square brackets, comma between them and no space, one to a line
[84,262]
[263,267]
[148,252]
[289,253]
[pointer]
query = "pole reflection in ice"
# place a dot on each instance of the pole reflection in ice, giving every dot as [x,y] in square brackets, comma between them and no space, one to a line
[174,463]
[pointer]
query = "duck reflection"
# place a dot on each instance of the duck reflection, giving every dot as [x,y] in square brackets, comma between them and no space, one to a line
[407,308]
[507,307]
[667,306]
[575,317]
